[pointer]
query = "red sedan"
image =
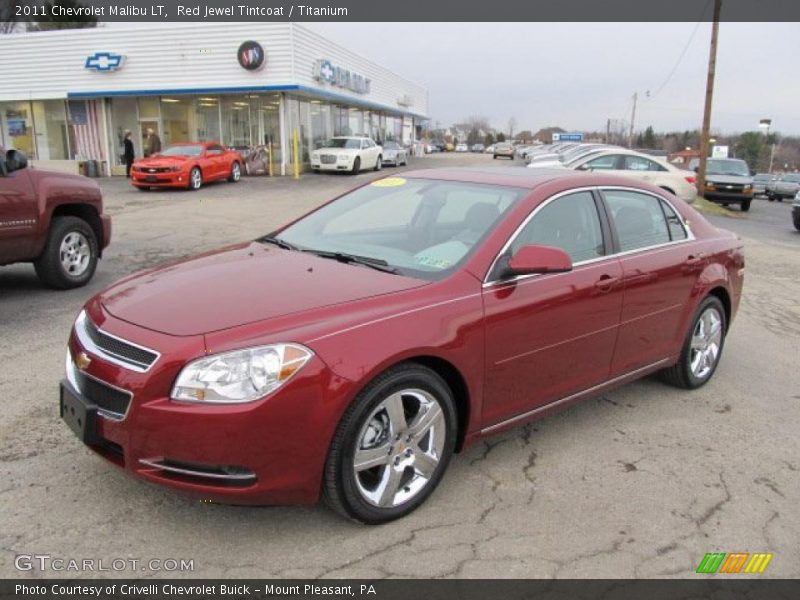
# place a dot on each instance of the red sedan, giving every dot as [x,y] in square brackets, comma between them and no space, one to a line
[350,353]
[187,165]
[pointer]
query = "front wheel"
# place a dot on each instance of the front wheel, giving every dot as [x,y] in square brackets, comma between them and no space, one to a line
[70,255]
[703,347]
[392,446]
[796,223]
[356,166]
[195,179]
[745,205]
[236,172]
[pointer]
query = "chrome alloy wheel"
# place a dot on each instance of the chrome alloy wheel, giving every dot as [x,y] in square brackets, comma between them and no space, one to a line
[236,172]
[75,253]
[706,343]
[399,448]
[196,179]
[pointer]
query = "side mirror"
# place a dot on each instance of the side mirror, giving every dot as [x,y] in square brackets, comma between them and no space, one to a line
[15,161]
[539,259]
[584,167]
[696,169]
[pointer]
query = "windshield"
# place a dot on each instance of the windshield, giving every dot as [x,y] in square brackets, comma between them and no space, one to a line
[763,177]
[419,227]
[391,146]
[727,166]
[792,178]
[342,143]
[188,150]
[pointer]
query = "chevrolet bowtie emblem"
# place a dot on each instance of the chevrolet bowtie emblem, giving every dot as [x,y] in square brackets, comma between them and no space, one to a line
[82,361]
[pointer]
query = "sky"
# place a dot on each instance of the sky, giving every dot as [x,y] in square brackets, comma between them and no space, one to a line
[578,75]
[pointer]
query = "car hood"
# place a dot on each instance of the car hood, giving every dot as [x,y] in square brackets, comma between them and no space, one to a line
[161,161]
[739,179]
[241,284]
[335,151]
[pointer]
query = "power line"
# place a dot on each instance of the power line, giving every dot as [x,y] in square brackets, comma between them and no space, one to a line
[683,53]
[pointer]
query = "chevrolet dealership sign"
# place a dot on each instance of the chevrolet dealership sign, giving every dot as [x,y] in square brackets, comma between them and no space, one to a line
[327,72]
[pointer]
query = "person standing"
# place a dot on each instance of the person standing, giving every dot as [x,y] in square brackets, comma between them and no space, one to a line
[152,143]
[129,154]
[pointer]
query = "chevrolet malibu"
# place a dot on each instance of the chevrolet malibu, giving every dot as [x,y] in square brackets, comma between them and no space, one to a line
[350,353]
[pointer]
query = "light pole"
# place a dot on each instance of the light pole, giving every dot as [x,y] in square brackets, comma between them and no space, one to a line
[765,125]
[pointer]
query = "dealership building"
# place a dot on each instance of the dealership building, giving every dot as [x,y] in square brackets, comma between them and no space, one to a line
[68,96]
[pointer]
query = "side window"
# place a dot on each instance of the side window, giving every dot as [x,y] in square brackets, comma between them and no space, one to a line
[214,150]
[674,223]
[604,163]
[571,223]
[364,144]
[638,218]
[639,163]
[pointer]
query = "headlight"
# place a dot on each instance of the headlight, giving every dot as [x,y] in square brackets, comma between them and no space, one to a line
[241,375]
[175,169]
[343,158]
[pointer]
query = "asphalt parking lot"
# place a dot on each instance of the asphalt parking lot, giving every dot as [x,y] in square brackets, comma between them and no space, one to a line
[641,482]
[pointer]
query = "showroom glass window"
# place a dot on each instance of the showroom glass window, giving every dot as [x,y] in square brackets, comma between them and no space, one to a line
[568,222]
[236,121]
[639,219]
[17,126]
[205,114]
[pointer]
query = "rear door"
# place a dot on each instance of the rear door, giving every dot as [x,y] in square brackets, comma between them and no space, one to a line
[549,336]
[18,216]
[660,265]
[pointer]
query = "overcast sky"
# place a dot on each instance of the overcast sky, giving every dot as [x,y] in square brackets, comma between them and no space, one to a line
[577,75]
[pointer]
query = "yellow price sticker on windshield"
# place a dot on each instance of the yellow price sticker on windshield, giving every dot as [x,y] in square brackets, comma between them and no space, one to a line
[389,182]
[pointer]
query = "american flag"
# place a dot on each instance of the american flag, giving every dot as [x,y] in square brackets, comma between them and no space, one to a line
[84,118]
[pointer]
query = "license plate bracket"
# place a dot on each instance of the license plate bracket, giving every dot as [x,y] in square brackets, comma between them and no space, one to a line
[79,414]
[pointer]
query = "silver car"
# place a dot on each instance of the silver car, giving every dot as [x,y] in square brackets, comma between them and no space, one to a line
[785,186]
[394,154]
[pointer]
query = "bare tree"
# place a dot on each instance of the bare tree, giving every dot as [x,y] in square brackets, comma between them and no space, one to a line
[512,125]
[9,21]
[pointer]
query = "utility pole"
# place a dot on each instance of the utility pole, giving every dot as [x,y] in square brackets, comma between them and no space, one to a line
[712,65]
[608,131]
[633,118]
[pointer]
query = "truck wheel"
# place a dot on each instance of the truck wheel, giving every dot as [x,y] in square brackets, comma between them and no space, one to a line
[70,255]
[745,205]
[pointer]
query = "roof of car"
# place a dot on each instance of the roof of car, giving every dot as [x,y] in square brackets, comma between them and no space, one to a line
[507,176]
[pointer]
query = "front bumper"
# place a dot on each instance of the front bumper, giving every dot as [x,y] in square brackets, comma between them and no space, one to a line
[175,179]
[723,197]
[271,451]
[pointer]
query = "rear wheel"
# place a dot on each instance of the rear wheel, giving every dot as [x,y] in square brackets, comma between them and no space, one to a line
[379,163]
[69,258]
[236,172]
[392,446]
[195,179]
[702,348]
[745,205]
[494,156]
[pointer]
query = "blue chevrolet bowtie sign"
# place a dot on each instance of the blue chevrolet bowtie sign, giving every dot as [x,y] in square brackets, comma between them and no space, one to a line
[104,61]
[568,137]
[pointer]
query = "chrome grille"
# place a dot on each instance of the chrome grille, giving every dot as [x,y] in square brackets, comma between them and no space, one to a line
[116,350]
[327,159]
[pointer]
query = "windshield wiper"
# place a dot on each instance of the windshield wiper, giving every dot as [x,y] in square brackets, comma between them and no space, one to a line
[374,263]
[268,239]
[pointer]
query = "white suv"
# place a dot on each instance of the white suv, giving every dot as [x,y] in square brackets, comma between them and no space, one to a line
[347,153]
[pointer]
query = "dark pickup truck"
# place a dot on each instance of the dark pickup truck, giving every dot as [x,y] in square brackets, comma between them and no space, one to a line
[54,220]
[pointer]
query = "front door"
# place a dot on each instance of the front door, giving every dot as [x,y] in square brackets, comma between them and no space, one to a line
[18,216]
[550,336]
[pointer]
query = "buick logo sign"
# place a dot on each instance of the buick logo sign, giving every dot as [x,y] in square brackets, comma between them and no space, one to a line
[251,55]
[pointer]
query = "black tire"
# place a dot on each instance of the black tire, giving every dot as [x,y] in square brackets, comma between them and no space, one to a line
[770,198]
[680,374]
[356,166]
[339,481]
[195,179]
[796,223]
[143,188]
[49,266]
[745,205]
[236,172]
[494,156]
[379,163]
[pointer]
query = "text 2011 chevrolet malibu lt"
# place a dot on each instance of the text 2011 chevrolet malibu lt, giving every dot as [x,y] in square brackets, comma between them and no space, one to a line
[350,353]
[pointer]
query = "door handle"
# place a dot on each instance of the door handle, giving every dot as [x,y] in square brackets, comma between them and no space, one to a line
[695,259]
[606,282]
